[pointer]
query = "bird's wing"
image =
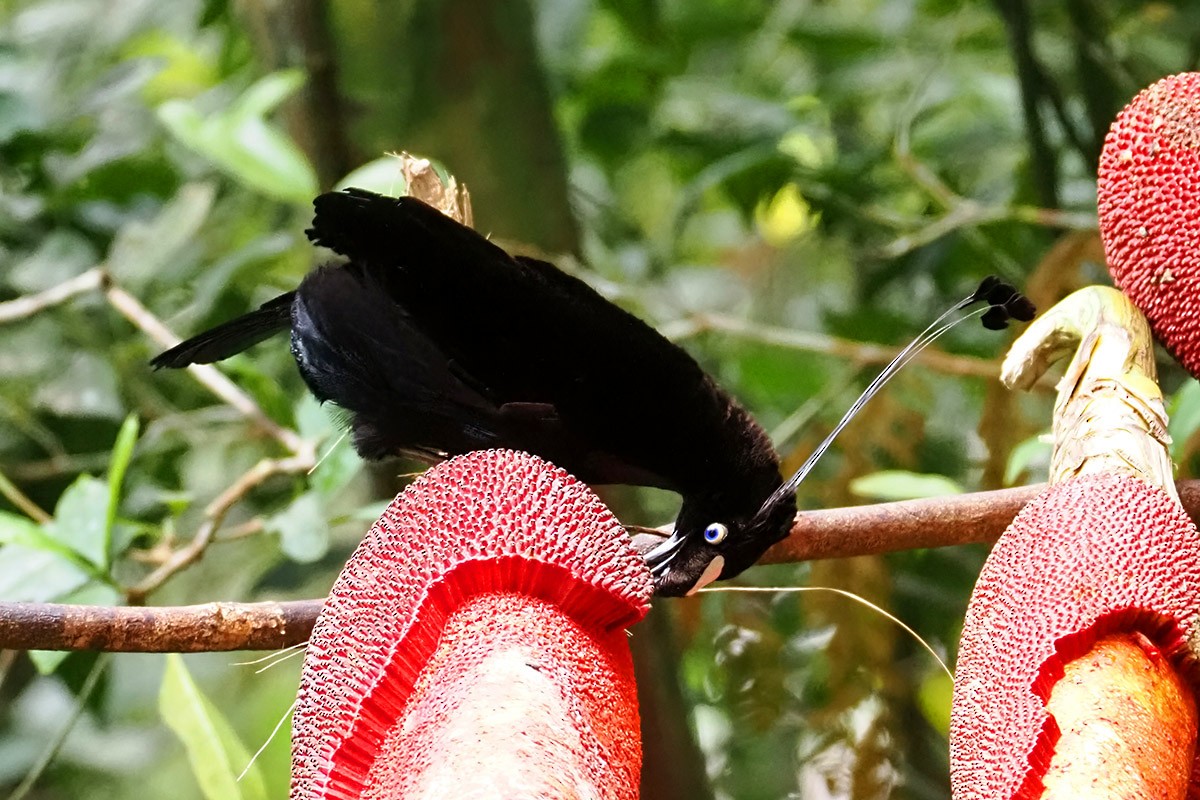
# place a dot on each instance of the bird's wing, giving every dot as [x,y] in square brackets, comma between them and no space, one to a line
[361,349]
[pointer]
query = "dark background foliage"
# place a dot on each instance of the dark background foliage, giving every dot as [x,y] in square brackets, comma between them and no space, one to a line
[761,180]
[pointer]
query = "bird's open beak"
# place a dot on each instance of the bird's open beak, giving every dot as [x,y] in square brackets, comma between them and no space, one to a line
[660,557]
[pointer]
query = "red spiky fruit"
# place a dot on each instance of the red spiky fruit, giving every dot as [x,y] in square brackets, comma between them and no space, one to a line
[1092,556]
[1149,203]
[475,645]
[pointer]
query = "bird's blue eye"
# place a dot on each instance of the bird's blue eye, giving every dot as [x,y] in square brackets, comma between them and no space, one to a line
[715,533]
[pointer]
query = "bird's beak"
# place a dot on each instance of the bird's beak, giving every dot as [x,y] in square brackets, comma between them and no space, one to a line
[658,558]
[710,574]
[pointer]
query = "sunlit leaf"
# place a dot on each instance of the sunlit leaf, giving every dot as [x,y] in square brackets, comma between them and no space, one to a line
[240,141]
[786,216]
[901,485]
[216,754]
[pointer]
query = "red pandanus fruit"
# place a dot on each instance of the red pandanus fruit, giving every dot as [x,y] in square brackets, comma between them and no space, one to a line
[475,645]
[1149,202]
[1076,672]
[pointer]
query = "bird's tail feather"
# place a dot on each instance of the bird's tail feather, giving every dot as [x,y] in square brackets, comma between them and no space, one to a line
[232,337]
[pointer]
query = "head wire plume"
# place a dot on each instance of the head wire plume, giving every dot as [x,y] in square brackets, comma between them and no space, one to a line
[1002,303]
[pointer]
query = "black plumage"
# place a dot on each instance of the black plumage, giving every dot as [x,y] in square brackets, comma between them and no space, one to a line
[437,342]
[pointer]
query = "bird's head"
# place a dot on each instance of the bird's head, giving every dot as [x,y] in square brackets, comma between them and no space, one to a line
[711,543]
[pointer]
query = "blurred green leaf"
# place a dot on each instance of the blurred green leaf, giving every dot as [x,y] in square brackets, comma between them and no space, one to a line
[184,72]
[240,141]
[38,574]
[934,697]
[216,754]
[895,484]
[263,385]
[369,512]
[86,386]
[80,519]
[62,255]
[152,251]
[1034,451]
[23,531]
[1184,416]
[122,454]
[338,462]
[302,528]
[47,661]
[383,175]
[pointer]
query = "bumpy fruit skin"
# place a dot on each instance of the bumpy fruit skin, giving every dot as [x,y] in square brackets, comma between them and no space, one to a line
[1149,203]
[1089,557]
[491,561]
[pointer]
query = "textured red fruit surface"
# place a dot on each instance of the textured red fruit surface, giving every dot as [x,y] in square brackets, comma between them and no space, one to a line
[1149,203]
[1091,556]
[517,702]
[487,523]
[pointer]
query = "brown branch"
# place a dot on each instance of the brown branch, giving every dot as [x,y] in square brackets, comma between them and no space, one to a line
[181,629]
[834,533]
[30,304]
[854,352]
[964,213]
[10,492]
[214,515]
[904,525]
[206,374]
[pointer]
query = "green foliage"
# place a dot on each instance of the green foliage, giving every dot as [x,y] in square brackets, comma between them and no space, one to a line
[216,754]
[240,141]
[898,484]
[756,178]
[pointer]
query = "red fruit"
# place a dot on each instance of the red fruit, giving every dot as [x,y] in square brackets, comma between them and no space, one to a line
[1089,557]
[475,645]
[1149,203]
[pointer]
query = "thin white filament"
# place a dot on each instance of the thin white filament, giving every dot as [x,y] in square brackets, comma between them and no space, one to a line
[270,738]
[842,592]
[914,348]
[269,656]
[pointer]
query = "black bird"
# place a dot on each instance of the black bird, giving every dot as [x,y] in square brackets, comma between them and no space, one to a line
[437,342]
